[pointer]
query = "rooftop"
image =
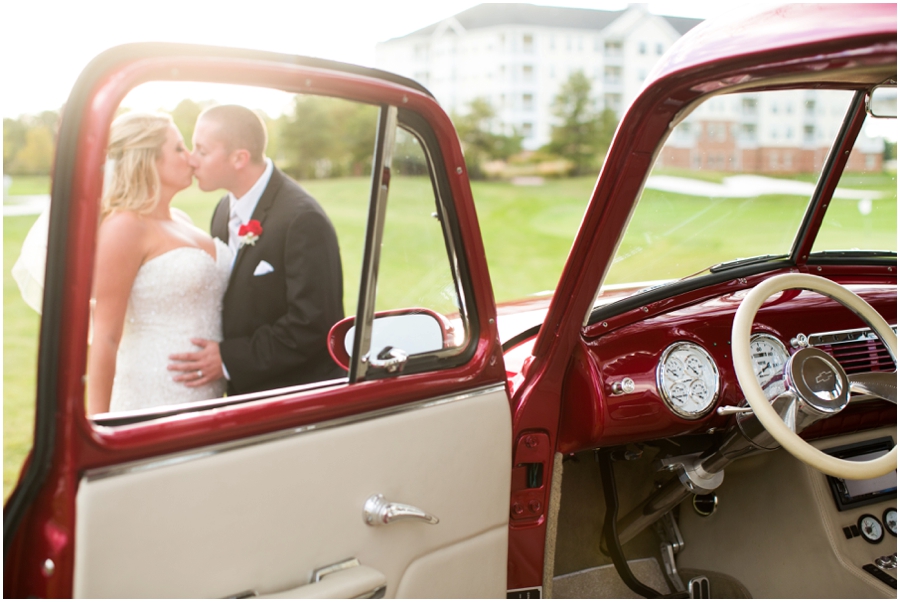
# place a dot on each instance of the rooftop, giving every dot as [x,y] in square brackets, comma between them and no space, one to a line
[494,14]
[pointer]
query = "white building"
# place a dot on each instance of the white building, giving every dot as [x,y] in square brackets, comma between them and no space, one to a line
[786,131]
[518,55]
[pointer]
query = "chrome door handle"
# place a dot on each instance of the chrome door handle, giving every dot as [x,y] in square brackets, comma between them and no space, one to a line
[378,511]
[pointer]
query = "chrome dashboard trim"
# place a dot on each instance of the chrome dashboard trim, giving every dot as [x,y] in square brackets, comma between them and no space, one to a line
[153,463]
[837,337]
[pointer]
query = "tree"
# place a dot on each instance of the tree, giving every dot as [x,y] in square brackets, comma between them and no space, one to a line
[581,130]
[36,157]
[28,143]
[185,116]
[14,137]
[480,142]
[327,137]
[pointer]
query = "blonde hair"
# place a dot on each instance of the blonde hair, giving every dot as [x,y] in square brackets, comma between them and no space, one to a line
[131,181]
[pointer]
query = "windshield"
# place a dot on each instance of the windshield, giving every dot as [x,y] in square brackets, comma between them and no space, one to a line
[734,180]
[863,213]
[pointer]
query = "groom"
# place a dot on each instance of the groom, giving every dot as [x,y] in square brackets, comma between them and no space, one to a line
[286,286]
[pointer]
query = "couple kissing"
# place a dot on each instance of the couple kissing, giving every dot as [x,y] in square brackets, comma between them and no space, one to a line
[182,316]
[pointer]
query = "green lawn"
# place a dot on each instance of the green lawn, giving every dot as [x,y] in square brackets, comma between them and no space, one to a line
[527,232]
[29,185]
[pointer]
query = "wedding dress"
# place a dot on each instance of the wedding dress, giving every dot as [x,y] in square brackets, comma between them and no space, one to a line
[176,297]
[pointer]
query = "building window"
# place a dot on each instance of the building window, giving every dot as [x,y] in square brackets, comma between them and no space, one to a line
[527,73]
[612,101]
[810,107]
[528,42]
[527,129]
[612,48]
[809,134]
[612,75]
[748,132]
[748,106]
[528,102]
[659,49]
[642,48]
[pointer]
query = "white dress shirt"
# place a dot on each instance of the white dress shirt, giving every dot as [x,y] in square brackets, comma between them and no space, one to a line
[246,205]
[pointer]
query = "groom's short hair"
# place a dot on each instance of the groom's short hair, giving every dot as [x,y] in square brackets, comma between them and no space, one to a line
[240,128]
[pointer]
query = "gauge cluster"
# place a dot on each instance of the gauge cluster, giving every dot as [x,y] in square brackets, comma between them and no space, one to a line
[688,380]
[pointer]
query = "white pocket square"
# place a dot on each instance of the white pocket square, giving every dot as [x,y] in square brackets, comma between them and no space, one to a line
[264,267]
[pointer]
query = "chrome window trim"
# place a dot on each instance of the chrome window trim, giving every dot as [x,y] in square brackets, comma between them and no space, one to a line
[211,450]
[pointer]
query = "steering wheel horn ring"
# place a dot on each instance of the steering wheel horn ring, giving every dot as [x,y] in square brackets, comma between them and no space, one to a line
[819,380]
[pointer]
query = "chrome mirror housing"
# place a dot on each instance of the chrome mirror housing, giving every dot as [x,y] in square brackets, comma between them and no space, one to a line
[881,102]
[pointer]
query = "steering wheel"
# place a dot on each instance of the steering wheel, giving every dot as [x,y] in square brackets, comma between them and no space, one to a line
[821,365]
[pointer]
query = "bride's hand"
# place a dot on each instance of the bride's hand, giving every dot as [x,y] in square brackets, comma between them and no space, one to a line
[199,367]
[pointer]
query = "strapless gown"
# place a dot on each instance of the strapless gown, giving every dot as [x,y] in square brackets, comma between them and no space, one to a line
[175,297]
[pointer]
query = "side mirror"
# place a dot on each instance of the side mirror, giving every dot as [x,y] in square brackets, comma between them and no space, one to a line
[415,330]
[882,100]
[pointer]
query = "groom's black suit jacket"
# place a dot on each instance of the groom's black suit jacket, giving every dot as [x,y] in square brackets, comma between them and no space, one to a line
[275,326]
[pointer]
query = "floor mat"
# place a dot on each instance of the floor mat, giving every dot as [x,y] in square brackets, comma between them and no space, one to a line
[604,581]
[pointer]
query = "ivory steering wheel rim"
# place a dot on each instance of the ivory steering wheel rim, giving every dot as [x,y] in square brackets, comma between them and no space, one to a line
[743,367]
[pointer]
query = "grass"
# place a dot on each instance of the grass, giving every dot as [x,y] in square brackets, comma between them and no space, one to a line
[527,234]
[24,185]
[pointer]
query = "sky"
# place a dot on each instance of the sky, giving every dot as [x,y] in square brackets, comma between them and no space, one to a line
[46,43]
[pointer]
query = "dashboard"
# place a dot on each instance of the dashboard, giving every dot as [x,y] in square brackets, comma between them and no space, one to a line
[664,376]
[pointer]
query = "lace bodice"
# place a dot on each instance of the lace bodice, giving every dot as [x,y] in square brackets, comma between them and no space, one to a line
[175,297]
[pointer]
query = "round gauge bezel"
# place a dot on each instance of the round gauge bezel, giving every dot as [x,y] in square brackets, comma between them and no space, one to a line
[774,341]
[862,533]
[885,523]
[664,392]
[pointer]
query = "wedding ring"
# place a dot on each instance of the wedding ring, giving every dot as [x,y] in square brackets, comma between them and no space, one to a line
[199,373]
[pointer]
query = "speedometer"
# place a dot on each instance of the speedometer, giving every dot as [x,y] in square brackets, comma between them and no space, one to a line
[688,380]
[769,357]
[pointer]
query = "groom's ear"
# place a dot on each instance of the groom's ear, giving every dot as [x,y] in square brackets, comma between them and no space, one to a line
[240,158]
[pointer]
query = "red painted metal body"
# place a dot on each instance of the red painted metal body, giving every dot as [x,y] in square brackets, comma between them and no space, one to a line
[559,380]
[799,42]
[81,446]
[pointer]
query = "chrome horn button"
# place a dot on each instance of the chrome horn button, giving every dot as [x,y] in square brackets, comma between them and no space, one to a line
[819,380]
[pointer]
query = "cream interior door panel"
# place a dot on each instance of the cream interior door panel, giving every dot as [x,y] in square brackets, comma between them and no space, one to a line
[262,515]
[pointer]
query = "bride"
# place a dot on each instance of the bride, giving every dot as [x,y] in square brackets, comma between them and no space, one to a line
[158,280]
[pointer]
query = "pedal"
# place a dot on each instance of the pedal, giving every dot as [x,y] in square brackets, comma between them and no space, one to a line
[698,588]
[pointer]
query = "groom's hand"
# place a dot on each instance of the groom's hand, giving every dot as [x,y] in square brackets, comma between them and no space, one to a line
[199,367]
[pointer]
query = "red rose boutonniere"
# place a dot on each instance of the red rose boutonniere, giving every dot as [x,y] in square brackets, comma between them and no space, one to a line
[250,232]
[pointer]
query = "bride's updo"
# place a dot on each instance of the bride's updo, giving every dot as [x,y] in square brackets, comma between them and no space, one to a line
[135,143]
